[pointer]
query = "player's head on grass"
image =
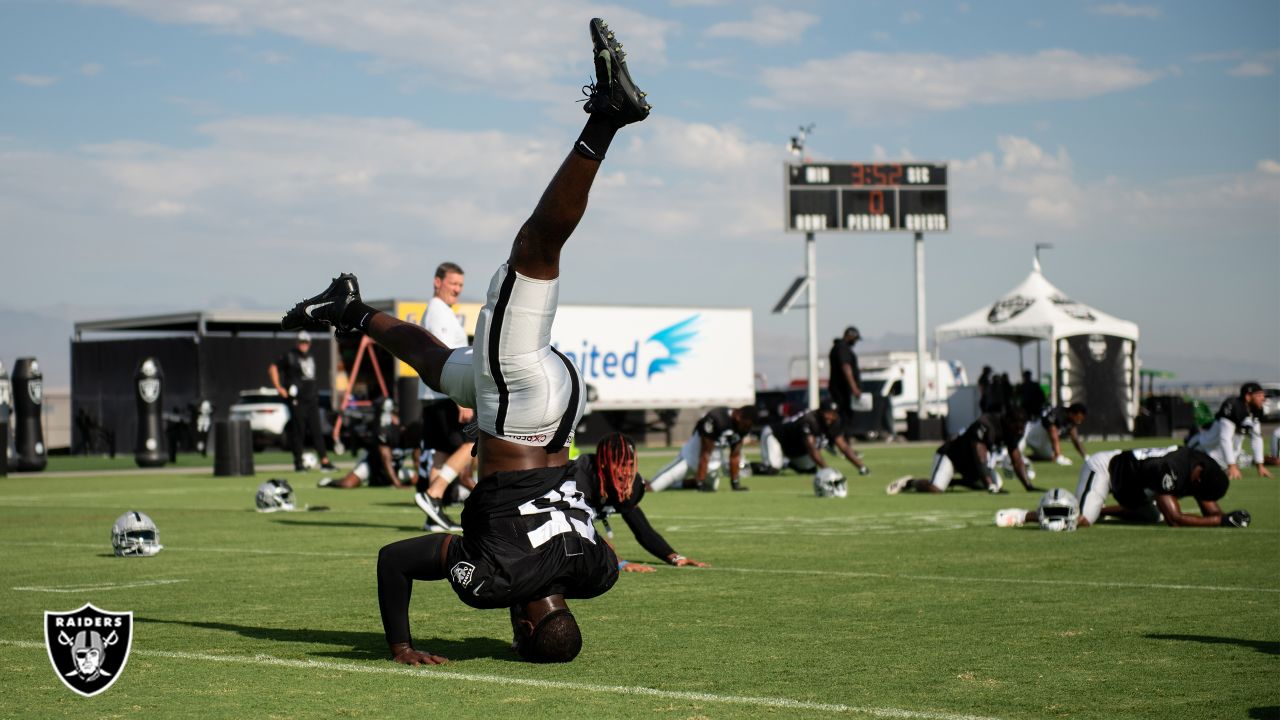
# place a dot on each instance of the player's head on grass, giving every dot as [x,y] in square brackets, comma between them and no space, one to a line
[546,632]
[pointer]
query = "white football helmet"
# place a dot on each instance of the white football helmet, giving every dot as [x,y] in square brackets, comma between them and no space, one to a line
[135,535]
[274,495]
[1059,510]
[828,482]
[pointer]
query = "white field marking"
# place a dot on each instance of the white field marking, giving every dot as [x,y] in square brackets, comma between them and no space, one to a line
[388,668]
[104,586]
[234,551]
[760,571]
[1011,581]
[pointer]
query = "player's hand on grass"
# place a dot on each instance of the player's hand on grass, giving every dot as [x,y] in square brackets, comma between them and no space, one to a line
[1237,518]
[1233,472]
[405,654]
[690,562]
[638,567]
[1263,472]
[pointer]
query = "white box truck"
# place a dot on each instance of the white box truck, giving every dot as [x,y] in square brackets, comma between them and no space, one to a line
[892,376]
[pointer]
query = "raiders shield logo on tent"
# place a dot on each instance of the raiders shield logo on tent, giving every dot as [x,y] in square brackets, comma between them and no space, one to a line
[88,647]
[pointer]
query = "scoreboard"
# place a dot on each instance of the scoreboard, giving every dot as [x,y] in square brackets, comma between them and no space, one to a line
[866,197]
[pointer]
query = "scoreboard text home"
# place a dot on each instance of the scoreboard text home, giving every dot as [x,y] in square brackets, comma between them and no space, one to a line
[867,197]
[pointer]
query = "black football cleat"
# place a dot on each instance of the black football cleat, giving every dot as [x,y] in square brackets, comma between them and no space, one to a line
[325,309]
[613,94]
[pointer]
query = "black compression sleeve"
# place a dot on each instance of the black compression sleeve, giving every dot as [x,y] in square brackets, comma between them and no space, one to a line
[648,537]
[357,315]
[399,564]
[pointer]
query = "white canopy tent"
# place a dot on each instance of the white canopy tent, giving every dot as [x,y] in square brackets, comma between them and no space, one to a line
[1094,354]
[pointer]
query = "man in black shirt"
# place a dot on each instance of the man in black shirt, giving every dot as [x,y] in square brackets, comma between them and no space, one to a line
[845,379]
[798,442]
[1147,483]
[294,377]
[970,456]
[1030,395]
[698,465]
[609,481]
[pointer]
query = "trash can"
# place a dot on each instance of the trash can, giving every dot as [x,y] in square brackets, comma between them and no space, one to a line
[232,448]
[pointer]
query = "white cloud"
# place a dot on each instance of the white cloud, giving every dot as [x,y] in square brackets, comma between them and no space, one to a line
[91,69]
[1250,68]
[531,53]
[1120,9]
[868,84]
[34,80]
[1269,166]
[767,26]
[911,17]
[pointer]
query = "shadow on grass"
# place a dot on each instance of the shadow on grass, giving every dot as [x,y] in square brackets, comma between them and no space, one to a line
[1262,646]
[363,645]
[1270,712]
[341,523]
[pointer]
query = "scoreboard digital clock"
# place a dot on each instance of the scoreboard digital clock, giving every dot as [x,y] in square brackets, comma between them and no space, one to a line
[866,197]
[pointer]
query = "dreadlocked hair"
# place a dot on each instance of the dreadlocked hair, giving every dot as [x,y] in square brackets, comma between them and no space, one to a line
[616,465]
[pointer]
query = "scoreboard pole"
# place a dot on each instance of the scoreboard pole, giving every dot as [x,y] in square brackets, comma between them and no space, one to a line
[920,332]
[811,275]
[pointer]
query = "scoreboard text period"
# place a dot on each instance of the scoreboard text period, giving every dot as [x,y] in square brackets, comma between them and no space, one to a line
[866,197]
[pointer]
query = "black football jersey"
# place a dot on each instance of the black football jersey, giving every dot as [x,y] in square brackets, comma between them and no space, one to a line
[793,431]
[1055,417]
[989,430]
[1238,412]
[1166,471]
[717,426]
[605,504]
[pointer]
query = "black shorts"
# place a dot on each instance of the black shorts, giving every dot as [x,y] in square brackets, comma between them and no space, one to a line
[505,558]
[441,430]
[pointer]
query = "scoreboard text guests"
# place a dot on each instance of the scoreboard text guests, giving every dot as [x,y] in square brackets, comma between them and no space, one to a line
[867,197]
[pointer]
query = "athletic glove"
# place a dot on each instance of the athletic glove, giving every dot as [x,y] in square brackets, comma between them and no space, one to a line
[1237,518]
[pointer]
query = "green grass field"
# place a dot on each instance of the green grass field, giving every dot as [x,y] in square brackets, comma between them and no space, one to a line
[910,606]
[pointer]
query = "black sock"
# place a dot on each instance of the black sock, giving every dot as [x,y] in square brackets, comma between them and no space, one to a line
[358,315]
[594,141]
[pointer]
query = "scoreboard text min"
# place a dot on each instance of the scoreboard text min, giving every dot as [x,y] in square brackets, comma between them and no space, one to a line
[867,197]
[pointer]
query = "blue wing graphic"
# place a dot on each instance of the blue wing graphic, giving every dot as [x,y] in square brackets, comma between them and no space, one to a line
[676,339]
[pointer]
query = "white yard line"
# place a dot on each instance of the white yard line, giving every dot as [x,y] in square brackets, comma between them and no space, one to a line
[103,586]
[388,668]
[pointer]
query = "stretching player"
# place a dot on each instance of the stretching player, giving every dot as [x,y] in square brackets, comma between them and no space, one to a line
[528,541]
[798,441]
[611,484]
[1147,484]
[1224,439]
[1044,433]
[698,465]
[970,455]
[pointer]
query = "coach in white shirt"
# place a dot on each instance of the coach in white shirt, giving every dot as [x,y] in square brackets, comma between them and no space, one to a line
[443,419]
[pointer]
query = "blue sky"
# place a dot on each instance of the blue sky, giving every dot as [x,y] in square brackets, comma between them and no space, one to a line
[157,155]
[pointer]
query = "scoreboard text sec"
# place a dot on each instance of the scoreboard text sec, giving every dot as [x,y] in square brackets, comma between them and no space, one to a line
[867,197]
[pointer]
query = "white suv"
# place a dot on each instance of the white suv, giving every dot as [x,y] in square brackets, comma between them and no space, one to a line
[267,413]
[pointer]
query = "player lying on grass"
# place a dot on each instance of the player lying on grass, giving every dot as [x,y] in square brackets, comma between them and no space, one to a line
[528,538]
[611,484]
[969,455]
[380,462]
[1146,484]
[798,441]
[698,465]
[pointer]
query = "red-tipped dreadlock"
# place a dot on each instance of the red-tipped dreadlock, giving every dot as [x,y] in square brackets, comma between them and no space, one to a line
[616,465]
